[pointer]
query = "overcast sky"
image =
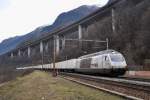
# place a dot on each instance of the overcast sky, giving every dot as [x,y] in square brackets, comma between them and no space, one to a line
[18,17]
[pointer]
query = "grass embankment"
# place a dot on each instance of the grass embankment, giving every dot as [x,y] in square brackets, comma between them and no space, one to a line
[41,86]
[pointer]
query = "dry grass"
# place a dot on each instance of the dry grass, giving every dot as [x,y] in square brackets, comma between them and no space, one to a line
[41,86]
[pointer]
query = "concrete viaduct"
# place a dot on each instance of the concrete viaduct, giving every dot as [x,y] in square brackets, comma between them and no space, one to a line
[79,27]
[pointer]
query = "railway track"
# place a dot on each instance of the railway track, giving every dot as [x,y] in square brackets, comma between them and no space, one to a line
[129,89]
[135,78]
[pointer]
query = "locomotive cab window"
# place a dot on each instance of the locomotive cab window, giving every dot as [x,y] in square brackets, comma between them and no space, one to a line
[116,58]
[106,58]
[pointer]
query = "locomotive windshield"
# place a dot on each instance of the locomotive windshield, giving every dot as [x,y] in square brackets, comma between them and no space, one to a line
[116,58]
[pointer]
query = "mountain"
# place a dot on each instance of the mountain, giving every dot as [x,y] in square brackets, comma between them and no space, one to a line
[62,20]
[111,1]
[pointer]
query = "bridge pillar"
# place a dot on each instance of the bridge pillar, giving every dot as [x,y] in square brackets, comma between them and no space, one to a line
[80,36]
[12,55]
[63,43]
[41,47]
[46,47]
[80,32]
[19,53]
[29,51]
[113,21]
[57,44]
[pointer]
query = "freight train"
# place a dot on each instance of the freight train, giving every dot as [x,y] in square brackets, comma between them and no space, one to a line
[107,62]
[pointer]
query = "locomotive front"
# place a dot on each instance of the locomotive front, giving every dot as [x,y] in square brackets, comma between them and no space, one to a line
[118,63]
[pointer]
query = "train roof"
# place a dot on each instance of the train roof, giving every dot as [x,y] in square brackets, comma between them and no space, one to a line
[110,51]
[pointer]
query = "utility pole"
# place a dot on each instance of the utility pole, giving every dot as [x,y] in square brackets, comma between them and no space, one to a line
[42,54]
[107,41]
[54,58]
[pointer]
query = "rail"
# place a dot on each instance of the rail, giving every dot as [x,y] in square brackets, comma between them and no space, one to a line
[130,89]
